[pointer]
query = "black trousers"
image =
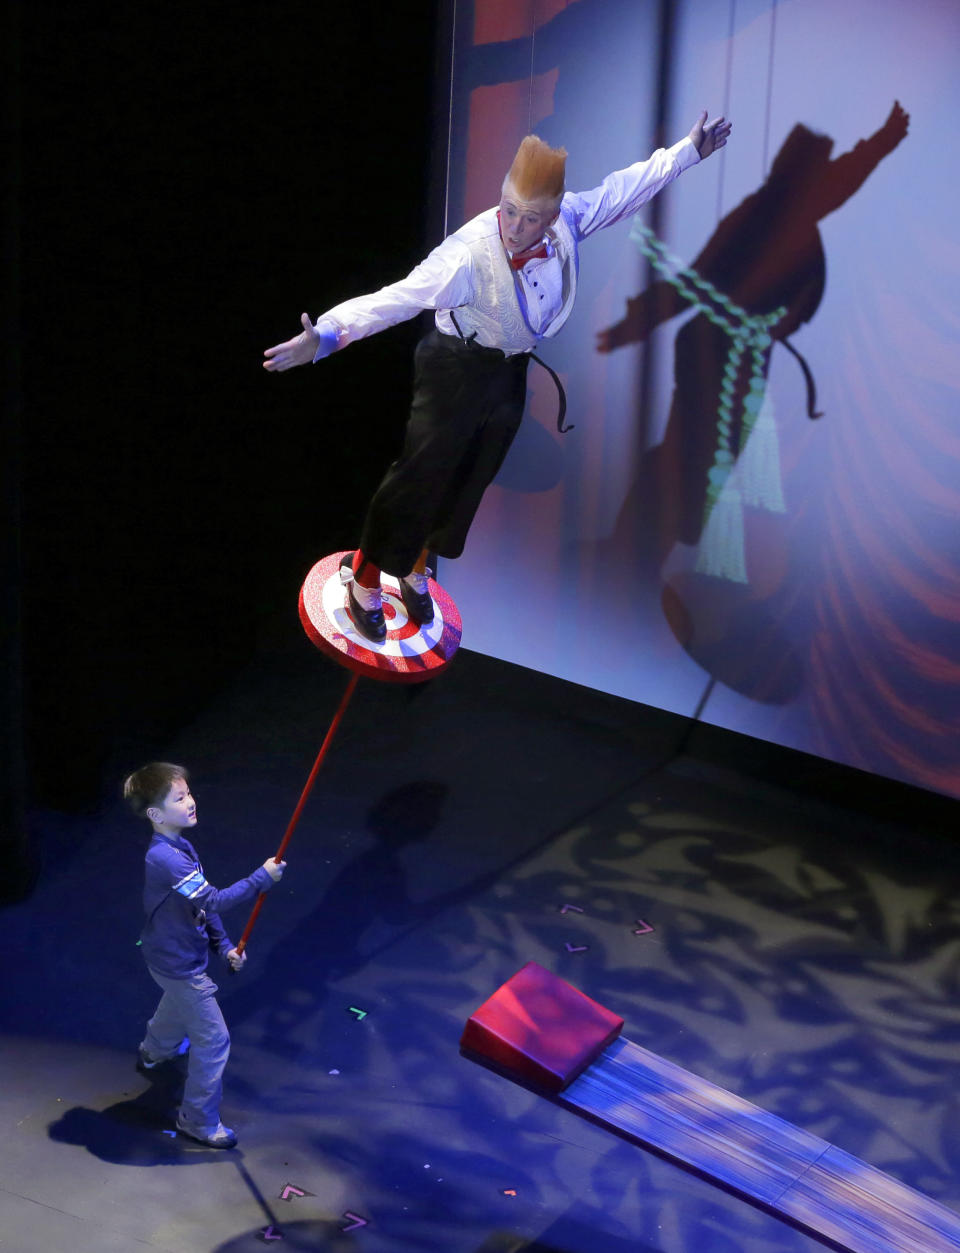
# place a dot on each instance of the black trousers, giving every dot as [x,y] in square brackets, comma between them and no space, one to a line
[467,406]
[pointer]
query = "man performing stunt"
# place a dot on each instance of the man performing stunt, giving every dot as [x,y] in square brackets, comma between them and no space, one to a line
[499,285]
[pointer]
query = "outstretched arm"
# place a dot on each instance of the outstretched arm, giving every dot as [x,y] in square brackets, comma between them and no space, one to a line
[309,345]
[847,173]
[707,137]
[442,281]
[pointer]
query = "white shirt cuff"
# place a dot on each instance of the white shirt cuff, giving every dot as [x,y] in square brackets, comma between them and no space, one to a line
[685,153]
[327,326]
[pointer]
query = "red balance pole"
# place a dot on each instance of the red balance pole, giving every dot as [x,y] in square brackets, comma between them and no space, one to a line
[308,788]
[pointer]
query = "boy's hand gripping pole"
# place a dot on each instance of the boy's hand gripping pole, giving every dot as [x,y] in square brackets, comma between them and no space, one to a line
[308,788]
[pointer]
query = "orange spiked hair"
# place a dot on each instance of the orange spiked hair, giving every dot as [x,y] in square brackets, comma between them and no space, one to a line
[538,171]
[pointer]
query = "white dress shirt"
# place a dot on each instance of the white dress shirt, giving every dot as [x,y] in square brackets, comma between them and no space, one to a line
[449,279]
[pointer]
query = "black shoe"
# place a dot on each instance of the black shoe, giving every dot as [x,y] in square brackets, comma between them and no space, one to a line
[417,603]
[369,622]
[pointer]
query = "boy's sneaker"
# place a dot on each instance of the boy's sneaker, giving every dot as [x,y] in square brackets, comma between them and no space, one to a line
[221,1138]
[145,1062]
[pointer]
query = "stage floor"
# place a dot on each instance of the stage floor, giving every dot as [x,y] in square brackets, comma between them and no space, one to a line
[805,956]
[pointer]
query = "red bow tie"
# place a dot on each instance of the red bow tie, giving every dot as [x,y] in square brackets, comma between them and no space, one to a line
[519,260]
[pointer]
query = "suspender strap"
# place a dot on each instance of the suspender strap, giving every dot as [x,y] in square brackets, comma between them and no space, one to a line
[561,394]
[453,319]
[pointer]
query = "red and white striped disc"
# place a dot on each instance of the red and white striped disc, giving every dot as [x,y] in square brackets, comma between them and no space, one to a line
[409,654]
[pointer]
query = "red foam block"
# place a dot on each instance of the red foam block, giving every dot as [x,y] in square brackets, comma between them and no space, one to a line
[540,1029]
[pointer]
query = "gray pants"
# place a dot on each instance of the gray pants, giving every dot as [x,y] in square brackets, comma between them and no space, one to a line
[189,1007]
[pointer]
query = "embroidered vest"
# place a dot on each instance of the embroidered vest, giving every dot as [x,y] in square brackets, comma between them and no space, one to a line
[496,315]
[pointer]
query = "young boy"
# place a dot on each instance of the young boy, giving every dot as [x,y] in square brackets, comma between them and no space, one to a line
[183,924]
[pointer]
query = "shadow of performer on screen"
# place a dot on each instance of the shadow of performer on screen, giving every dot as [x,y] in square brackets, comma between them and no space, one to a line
[767,254]
[766,260]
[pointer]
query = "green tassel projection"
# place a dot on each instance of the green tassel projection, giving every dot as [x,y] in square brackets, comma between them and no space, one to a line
[754,478]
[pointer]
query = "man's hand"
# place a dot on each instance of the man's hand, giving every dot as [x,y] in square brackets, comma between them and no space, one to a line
[236,960]
[275,869]
[707,137]
[302,349]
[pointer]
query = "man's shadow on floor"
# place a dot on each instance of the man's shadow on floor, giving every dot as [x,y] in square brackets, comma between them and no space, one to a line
[364,912]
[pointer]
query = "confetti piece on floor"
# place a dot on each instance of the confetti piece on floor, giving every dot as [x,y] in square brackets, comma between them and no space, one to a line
[291,1190]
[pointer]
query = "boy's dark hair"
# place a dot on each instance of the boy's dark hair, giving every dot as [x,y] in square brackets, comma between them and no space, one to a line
[150,784]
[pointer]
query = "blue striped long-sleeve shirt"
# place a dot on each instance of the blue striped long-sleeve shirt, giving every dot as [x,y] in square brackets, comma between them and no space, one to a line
[183,908]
